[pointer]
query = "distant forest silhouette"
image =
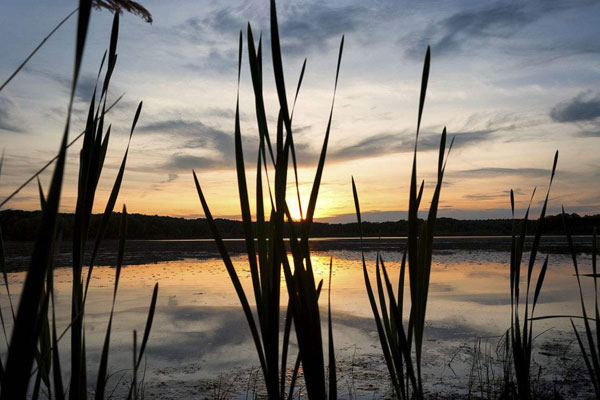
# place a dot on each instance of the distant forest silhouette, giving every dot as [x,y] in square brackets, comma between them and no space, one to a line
[21,225]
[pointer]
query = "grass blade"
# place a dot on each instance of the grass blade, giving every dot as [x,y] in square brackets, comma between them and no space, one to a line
[317,181]
[22,349]
[49,163]
[332,372]
[232,275]
[20,67]
[380,329]
[112,200]
[103,367]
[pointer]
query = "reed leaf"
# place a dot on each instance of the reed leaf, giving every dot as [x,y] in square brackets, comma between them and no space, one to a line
[591,352]
[137,359]
[521,328]
[23,341]
[48,36]
[103,367]
[398,343]
[112,200]
[269,254]
[332,371]
[232,274]
[51,161]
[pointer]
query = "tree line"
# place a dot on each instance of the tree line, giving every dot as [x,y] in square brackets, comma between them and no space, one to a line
[18,225]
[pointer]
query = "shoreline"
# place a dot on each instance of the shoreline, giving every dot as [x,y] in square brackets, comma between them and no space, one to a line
[138,252]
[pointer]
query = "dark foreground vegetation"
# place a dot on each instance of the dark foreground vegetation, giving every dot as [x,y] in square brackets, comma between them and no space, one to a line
[33,368]
[21,225]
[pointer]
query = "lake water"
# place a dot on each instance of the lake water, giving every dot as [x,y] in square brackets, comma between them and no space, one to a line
[200,342]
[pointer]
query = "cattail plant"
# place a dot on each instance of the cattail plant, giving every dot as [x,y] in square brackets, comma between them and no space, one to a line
[34,334]
[591,353]
[398,342]
[522,317]
[269,254]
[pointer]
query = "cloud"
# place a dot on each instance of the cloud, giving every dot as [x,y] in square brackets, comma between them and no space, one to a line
[8,121]
[180,161]
[492,196]
[213,59]
[303,27]
[502,20]
[315,25]
[196,134]
[200,136]
[501,172]
[217,146]
[223,20]
[225,113]
[170,178]
[584,107]
[85,84]
[589,134]
[390,143]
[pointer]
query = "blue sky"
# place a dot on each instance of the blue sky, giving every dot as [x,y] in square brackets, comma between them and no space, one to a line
[514,81]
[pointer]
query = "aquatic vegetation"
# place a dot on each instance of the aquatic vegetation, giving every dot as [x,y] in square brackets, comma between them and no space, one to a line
[521,333]
[275,244]
[396,341]
[34,334]
[268,255]
[591,354]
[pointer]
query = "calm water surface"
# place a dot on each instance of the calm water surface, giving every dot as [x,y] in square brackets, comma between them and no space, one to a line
[199,330]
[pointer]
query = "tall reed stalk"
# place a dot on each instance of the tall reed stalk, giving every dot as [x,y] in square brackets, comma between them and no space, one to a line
[591,353]
[398,342]
[266,248]
[34,335]
[521,333]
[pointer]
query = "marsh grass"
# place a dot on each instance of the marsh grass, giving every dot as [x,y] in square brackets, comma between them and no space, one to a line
[398,342]
[589,347]
[522,317]
[33,365]
[34,337]
[268,255]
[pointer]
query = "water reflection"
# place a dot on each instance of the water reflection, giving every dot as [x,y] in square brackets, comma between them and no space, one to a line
[200,332]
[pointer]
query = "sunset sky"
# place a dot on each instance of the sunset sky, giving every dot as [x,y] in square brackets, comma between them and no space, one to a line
[514,82]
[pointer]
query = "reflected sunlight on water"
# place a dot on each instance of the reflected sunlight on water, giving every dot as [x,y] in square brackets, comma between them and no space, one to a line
[199,329]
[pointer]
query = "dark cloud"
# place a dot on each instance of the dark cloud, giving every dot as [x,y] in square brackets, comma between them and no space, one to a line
[589,134]
[186,162]
[170,178]
[8,120]
[226,113]
[584,107]
[395,143]
[500,172]
[303,27]
[199,136]
[501,20]
[220,60]
[493,196]
[85,84]
[195,133]
[224,20]
[315,25]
